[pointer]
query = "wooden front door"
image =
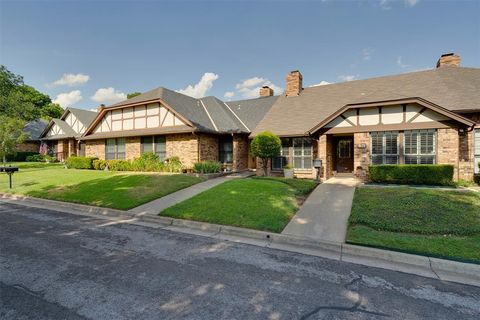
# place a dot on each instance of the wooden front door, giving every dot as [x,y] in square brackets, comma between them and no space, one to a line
[344,154]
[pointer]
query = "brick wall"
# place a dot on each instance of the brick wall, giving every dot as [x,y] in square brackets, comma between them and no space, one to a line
[325,153]
[132,147]
[361,155]
[240,152]
[28,147]
[185,146]
[72,147]
[95,148]
[466,164]
[456,149]
[208,145]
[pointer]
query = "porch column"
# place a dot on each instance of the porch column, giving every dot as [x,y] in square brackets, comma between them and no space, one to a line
[361,155]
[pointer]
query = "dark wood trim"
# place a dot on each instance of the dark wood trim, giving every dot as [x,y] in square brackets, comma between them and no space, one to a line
[350,122]
[404,108]
[380,115]
[417,115]
[388,127]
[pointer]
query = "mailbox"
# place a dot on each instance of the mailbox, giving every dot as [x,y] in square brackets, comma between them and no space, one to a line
[9,170]
[317,163]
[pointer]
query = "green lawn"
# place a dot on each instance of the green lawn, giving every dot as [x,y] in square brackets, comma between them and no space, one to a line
[99,188]
[257,203]
[425,221]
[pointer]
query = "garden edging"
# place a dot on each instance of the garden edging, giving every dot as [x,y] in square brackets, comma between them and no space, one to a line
[446,270]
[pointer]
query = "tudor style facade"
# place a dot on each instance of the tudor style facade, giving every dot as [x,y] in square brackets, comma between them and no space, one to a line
[426,117]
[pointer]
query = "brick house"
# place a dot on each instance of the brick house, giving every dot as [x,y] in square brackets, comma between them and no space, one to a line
[62,136]
[425,117]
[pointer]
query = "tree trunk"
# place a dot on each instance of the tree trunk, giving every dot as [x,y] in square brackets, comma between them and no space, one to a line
[265,166]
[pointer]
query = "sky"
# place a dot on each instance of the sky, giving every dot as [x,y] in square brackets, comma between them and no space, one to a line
[86,53]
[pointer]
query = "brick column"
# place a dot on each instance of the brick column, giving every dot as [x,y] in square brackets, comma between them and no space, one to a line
[447,148]
[240,152]
[361,155]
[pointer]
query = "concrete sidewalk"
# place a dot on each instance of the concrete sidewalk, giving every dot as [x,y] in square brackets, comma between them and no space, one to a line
[156,206]
[323,216]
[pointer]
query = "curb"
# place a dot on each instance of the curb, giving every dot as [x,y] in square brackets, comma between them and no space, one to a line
[445,270]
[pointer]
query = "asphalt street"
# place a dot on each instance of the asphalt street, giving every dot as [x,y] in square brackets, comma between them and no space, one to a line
[62,266]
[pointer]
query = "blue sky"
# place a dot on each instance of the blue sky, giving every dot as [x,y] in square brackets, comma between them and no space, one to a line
[83,53]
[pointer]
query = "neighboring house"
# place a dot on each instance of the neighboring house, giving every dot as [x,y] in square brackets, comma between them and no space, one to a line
[32,144]
[425,117]
[62,135]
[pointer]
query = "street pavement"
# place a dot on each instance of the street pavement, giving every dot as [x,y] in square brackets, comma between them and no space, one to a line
[56,265]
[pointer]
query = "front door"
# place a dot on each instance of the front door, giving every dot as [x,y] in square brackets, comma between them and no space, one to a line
[344,154]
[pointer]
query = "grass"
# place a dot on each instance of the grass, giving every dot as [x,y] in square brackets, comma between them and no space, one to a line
[100,188]
[258,203]
[431,222]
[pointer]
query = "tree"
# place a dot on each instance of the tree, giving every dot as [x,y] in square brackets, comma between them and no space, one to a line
[133,94]
[11,134]
[51,110]
[265,146]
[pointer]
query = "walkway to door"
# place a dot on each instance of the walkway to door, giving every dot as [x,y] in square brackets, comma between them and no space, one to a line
[324,215]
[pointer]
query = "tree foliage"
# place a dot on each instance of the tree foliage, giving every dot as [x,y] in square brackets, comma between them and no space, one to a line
[21,101]
[265,146]
[11,134]
[133,94]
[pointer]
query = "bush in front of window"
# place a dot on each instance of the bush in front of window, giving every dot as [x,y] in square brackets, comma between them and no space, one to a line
[119,165]
[421,174]
[99,164]
[265,146]
[207,167]
[40,158]
[173,164]
[74,162]
[148,161]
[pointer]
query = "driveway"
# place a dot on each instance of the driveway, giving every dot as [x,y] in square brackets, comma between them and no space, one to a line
[60,266]
[324,215]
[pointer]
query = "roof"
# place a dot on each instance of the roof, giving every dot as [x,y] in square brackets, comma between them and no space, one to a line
[138,132]
[35,128]
[85,116]
[453,88]
[207,114]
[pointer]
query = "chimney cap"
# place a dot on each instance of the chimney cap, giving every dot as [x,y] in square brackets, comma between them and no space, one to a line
[448,54]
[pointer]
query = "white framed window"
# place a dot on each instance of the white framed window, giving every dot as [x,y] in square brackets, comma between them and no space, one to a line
[115,148]
[384,147]
[302,153]
[155,144]
[279,162]
[477,150]
[420,146]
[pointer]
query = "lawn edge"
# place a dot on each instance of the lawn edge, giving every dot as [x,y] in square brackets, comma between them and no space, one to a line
[431,267]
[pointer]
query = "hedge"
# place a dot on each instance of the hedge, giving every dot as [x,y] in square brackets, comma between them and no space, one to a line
[20,156]
[40,158]
[146,162]
[428,174]
[75,162]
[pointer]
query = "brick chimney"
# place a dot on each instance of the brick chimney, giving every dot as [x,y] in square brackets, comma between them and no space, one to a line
[100,107]
[266,91]
[449,59]
[294,83]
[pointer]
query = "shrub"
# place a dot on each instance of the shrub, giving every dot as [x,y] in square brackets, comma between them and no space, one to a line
[119,165]
[99,164]
[75,162]
[288,166]
[40,158]
[430,174]
[147,162]
[207,167]
[173,164]
[21,156]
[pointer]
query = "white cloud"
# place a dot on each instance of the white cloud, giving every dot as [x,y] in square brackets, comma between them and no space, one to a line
[70,79]
[68,99]
[385,4]
[250,88]
[348,77]
[401,64]
[202,87]
[321,83]
[229,94]
[411,3]
[108,95]
[367,53]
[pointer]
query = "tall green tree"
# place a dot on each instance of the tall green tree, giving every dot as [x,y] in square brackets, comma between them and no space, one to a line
[51,110]
[133,94]
[11,134]
[265,146]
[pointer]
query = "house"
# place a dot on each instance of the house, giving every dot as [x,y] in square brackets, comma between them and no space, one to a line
[424,117]
[62,136]
[34,130]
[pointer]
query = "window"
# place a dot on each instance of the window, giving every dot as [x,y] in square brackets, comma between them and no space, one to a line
[279,162]
[419,146]
[344,149]
[115,149]
[155,144]
[225,149]
[477,150]
[302,153]
[384,147]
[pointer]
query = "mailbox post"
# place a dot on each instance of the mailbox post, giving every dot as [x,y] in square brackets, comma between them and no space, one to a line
[9,170]
[317,164]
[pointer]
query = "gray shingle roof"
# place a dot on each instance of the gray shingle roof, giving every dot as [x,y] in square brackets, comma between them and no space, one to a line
[67,131]
[223,117]
[453,88]
[85,116]
[35,129]
[251,111]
